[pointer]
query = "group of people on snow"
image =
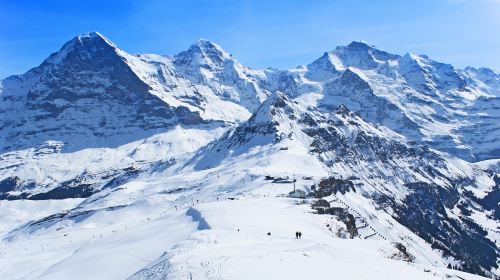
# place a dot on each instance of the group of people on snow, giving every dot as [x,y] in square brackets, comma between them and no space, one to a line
[298,234]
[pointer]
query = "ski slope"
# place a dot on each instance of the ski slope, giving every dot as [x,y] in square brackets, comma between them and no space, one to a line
[177,167]
[167,228]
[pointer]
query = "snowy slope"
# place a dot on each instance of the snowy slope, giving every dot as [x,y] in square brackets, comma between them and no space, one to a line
[171,227]
[223,252]
[77,250]
[145,166]
[433,103]
[106,98]
[114,114]
[345,154]
[168,227]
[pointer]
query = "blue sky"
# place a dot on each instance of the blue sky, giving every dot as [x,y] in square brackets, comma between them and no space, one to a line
[281,33]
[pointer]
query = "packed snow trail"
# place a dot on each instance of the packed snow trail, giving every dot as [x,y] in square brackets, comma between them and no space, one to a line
[106,245]
[149,232]
[150,239]
[250,254]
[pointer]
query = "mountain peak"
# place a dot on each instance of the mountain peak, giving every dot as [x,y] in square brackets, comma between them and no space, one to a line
[483,70]
[203,52]
[88,40]
[94,36]
[415,57]
[205,44]
[86,44]
[277,99]
[267,110]
[362,55]
[325,67]
[360,45]
[342,110]
[410,60]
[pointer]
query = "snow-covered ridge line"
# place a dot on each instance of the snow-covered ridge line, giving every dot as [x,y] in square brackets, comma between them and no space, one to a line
[369,138]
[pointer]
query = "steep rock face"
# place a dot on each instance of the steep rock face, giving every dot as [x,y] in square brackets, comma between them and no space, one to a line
[324,68]
[426,212]
[432,103]
[381,166]
[207,63]
[260,129]
[65,122]
[484,78]
[93,117]
[86,91]
[356,93]
[362,55]
[427,75]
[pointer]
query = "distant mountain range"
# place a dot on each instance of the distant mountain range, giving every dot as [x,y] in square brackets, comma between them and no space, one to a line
[417,138]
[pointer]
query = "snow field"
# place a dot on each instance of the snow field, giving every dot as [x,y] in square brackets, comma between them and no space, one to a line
[223,252]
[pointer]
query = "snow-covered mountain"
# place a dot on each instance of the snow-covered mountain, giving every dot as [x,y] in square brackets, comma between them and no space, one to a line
[433,103]
[418,185]
[187,150]
[91,97]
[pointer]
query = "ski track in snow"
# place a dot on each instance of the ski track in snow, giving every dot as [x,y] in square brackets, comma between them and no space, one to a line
[152,228]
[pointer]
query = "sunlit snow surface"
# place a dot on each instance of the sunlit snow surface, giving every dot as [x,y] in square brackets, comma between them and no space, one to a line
[150,239]
[142,230]
[179,173]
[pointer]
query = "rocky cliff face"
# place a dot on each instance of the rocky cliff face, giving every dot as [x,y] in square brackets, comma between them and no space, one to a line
[432,103]
[399,131]
[91,98]
[86,91]
[434,195]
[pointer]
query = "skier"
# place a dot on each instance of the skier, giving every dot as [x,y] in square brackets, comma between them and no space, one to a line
[269,234]
[300,235]
[297,235]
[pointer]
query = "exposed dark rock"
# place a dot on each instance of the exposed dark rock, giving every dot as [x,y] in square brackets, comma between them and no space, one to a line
[424,212]
[403,253]
[79,191]
[331,185]
[9,184]
[323,208]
